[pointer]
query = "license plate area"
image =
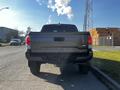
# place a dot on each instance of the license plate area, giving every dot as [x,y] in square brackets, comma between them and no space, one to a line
[59,39]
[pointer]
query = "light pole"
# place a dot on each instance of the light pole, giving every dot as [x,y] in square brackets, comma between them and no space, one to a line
[4,8]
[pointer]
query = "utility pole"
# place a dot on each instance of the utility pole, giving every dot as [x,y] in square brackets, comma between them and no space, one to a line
[88,21]
[112,39]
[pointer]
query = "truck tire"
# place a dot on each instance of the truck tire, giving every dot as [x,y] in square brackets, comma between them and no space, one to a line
[34,67]
[84,68]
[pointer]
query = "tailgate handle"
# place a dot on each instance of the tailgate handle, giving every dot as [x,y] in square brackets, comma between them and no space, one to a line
[59,39]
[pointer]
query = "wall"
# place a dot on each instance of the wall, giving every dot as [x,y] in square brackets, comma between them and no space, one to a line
[106,36]
[6,34]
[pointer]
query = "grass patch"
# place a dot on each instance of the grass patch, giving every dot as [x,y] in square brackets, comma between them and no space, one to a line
[108,62]
[108,55]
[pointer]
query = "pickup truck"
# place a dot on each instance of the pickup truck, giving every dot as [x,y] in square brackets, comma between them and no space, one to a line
[59,44]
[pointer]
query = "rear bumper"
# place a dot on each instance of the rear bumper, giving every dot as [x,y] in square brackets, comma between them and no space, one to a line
[53,57]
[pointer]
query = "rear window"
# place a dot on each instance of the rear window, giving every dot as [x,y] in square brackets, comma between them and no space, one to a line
[59,28]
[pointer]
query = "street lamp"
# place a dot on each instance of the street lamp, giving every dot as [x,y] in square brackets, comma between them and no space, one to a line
[4,8]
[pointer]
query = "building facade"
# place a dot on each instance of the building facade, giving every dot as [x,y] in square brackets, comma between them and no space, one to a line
[6,34]
[106,36]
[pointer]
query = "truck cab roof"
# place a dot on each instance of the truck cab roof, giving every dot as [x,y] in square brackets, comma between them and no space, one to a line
[59,28]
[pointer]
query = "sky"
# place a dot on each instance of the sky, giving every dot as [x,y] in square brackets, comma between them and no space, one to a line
[35,13]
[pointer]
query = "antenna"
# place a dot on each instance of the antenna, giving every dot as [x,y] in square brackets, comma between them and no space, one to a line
[88,19]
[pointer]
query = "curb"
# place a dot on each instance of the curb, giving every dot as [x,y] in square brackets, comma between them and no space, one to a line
[109,82]
[3,45]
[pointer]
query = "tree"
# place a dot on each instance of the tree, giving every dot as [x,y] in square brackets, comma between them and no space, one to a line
[21,33]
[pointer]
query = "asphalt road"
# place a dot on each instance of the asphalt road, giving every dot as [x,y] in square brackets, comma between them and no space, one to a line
[15,75]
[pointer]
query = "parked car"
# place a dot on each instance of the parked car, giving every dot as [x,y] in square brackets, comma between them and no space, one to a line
[59,44]
[15,42]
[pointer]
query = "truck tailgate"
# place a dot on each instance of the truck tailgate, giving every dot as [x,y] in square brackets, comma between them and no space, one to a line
[58,42]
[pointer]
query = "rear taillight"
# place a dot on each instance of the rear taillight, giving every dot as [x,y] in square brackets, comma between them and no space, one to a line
[89,40]
[27,40]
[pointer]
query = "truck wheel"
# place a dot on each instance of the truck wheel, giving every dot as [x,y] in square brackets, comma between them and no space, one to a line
[34,67]
[83,69]
[62,70]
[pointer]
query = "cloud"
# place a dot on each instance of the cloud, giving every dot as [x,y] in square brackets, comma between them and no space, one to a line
[62,7]
[41,2]
[49,20]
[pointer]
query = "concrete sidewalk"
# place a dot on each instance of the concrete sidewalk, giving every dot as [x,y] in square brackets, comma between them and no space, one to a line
[106,48]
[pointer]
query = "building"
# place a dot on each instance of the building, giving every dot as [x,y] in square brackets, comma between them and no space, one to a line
[106,36]
[6,34]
